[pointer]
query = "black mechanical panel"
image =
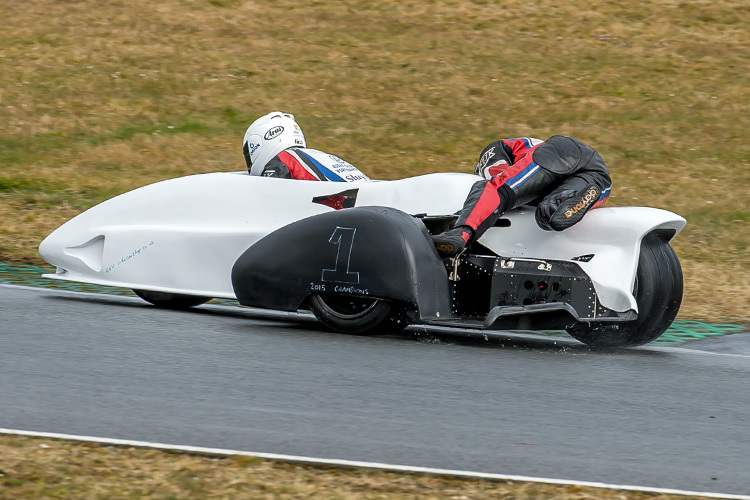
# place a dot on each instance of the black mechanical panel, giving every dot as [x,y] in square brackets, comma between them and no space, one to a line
[523,282]
[479,283]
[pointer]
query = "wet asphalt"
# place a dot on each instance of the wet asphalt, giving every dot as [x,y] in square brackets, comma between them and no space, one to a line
[228,377]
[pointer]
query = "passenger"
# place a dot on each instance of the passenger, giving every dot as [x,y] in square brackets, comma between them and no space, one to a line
[274,146]
[562,176]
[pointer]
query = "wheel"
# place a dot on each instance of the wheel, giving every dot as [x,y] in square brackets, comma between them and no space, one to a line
[658,293]
[350,314]
[395,322]
[171,300]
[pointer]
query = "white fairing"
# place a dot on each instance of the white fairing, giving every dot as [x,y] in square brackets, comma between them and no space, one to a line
[183,235]
[612,235]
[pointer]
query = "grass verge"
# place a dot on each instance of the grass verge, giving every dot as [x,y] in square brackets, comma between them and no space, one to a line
[44,468]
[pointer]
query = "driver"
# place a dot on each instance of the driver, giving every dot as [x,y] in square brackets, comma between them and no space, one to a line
[274,146]
[562,176]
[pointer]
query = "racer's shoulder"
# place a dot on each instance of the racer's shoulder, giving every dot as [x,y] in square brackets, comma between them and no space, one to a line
[526,142]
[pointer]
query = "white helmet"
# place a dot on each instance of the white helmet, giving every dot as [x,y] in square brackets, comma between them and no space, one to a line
[268,136]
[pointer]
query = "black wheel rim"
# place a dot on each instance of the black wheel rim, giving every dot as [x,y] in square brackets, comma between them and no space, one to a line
[349,307]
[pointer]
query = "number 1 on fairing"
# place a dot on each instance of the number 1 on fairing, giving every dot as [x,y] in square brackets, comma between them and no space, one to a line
[344,238]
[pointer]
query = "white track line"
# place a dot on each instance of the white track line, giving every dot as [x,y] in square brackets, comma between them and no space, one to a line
[686,350]
[368,465]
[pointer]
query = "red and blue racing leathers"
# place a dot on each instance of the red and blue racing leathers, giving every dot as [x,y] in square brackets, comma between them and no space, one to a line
[313,165]
[562,176]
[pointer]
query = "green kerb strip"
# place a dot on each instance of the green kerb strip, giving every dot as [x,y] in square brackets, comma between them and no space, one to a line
[685,331]
[32,276]
[679,333]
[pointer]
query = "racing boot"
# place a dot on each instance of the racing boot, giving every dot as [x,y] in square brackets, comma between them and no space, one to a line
[453,242]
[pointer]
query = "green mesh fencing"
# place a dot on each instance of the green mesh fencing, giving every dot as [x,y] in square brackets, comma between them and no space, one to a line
[680,332]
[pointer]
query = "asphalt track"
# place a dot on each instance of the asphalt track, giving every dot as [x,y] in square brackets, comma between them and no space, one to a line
[234,378]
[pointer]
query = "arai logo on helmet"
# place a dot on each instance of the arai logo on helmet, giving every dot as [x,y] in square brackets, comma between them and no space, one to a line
[274,132]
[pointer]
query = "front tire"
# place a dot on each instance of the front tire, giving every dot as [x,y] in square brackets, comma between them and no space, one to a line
[351,314]
[658,293]
[171,300]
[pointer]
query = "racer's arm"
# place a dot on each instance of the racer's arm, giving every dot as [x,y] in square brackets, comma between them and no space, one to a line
[500,155]
[520,147]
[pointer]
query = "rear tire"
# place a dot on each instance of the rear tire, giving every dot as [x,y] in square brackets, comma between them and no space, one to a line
[351,314]
[658,293]
[168,300]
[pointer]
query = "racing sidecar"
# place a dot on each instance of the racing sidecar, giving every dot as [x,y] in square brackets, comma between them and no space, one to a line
[360,257]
